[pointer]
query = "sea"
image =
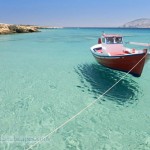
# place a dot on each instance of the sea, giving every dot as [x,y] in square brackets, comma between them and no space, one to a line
[47,77]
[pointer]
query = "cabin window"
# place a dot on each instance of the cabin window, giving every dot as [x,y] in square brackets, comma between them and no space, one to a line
[103,40]
[114,40]
[110,40]
[118,40]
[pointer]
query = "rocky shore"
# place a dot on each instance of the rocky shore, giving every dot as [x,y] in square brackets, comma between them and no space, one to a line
[11,28]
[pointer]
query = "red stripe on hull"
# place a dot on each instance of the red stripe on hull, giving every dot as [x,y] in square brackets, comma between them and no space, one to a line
[124,63]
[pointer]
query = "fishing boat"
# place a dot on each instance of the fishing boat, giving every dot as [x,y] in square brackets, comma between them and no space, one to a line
[110,52]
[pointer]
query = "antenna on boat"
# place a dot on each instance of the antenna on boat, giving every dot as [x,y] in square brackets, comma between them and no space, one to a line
[103,33]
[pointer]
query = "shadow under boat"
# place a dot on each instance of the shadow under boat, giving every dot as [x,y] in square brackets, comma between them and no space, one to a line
[96,79]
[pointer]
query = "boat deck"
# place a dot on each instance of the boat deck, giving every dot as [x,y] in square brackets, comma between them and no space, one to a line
[120,53]
[115,53]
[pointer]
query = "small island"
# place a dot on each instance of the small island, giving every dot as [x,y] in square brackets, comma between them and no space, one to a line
[11,28]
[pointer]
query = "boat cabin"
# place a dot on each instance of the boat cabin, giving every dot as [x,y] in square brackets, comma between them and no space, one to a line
[112,39]
[112,44]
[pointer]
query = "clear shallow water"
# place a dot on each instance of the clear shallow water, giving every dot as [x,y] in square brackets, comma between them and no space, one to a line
[49,76]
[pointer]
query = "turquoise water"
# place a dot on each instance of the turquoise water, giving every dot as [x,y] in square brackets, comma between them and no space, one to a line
[49,76]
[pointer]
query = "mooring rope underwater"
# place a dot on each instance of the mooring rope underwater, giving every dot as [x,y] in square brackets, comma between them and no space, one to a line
[85,108]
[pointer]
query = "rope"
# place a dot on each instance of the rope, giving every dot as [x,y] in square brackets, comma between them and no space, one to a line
[85,108]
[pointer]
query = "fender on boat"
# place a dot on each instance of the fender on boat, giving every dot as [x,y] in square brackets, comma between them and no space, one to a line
[99,41]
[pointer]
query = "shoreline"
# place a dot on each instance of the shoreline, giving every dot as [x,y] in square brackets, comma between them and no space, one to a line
[13,28]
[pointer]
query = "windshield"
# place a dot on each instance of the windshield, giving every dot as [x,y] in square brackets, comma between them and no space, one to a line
[114,40]
[110,40]
[118,40]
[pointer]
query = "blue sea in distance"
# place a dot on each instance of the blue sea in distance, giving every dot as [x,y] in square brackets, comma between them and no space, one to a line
[49,76]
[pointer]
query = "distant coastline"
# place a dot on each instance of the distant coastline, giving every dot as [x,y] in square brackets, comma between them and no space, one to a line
[12,28]
[138,23]
[103,28]
[143,23]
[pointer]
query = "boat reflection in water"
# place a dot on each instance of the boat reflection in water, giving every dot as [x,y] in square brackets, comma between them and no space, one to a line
[97,79]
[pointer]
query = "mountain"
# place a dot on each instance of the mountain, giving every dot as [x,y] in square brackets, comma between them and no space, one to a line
[139,23]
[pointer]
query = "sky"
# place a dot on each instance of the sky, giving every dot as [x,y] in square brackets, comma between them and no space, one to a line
[73,13]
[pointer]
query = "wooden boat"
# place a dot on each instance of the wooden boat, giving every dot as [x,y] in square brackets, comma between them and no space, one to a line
[110,52]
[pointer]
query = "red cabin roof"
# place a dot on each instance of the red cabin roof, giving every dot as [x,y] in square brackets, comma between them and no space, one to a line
[111,35]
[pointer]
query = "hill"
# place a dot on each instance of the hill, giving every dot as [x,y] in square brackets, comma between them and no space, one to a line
[139,23]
